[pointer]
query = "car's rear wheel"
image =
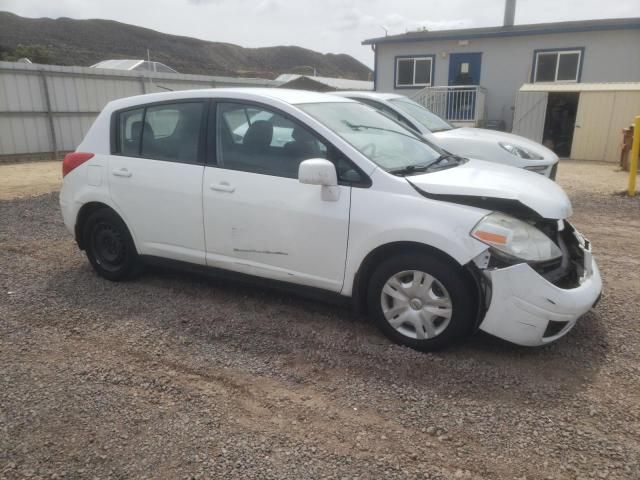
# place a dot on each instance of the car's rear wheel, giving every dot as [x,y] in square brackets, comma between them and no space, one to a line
[109,246]
[421,301]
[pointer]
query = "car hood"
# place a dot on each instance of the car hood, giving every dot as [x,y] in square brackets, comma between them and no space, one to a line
[494,136]
[496,187]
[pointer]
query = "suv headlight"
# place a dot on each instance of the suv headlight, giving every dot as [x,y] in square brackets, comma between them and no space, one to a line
[515,238]
[520,151]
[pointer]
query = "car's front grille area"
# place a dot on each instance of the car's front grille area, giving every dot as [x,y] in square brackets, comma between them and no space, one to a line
[570,267]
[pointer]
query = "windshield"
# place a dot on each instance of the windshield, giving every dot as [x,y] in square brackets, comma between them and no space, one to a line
[428,119]
[377,137]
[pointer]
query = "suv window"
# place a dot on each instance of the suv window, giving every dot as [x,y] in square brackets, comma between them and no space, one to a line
[172,132]
[258,140]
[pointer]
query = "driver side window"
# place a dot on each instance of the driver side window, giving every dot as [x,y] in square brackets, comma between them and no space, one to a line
[255,139]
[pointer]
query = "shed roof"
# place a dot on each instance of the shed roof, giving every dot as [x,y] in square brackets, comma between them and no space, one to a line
[581,87]
[511,31]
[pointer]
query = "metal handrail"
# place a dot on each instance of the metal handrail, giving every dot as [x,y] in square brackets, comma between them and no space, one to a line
[455,103]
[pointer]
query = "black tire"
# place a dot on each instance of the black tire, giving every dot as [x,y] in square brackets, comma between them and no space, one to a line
[109,246]
[451,282]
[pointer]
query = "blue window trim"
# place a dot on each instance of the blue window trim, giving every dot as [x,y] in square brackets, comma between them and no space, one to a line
[412,87]
[558,50]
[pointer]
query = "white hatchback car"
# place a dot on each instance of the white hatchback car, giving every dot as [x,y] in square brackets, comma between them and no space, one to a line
[433,246]
[478,143]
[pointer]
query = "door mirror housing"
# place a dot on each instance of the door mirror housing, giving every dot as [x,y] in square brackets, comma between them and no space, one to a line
[318,171]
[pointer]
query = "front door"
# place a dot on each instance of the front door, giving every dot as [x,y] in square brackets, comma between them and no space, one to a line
[464,69]
[259,219]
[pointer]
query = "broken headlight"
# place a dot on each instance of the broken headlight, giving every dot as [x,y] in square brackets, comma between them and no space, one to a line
[515,238]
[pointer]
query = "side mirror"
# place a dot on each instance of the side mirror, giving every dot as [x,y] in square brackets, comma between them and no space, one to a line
[318,171]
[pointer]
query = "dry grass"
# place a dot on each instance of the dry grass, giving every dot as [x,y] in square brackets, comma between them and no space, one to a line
[20,180]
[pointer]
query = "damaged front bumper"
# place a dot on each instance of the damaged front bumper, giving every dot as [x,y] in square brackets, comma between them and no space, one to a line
[528,309]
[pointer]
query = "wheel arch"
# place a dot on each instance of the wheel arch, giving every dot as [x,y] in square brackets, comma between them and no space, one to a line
[84,213]
[382,252]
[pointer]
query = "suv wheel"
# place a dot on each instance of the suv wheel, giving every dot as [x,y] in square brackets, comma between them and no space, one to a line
[420,301]
[109,246]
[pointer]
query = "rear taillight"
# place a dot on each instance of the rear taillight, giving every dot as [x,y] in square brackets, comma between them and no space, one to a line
[73,160]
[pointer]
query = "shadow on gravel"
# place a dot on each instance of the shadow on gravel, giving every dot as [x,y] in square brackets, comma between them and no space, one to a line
[312,341]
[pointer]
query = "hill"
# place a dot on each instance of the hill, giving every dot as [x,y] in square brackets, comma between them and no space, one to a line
[84,42]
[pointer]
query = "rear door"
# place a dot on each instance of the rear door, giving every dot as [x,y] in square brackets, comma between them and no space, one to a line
[155,177]
[259,219]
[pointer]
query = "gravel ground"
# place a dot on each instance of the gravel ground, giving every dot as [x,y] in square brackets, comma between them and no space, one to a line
[179,376]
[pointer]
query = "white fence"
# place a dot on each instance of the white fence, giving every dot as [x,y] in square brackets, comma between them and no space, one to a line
[46,110]
[457,104]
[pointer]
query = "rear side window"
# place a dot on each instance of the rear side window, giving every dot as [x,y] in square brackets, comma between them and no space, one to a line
[168,132]
[130,132]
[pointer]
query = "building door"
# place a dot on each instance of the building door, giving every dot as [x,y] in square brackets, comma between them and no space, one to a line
[464,69]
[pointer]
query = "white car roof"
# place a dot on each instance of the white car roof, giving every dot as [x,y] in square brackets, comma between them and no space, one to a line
[292,97]
[371,95]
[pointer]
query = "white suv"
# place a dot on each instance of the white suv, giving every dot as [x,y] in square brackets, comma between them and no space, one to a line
[341,200]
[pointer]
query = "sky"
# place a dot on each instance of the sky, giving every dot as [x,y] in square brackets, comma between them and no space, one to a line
[336,26]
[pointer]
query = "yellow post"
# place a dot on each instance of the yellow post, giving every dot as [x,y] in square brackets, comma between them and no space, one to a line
[635,152]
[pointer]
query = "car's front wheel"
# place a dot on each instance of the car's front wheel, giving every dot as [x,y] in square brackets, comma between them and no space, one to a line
[109,246]
[421,301]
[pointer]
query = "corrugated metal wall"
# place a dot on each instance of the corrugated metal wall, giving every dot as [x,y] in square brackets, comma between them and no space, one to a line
[591,133]
[47,109]
[599,123]
[529,115]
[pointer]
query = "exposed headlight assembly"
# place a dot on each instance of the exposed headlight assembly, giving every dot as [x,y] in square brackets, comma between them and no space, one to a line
[515,238]
[520,151]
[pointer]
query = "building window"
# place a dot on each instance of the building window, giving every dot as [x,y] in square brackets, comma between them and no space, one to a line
[414,72]
[557,66]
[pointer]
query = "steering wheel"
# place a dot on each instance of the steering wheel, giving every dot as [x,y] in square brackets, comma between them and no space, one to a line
[371,147]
